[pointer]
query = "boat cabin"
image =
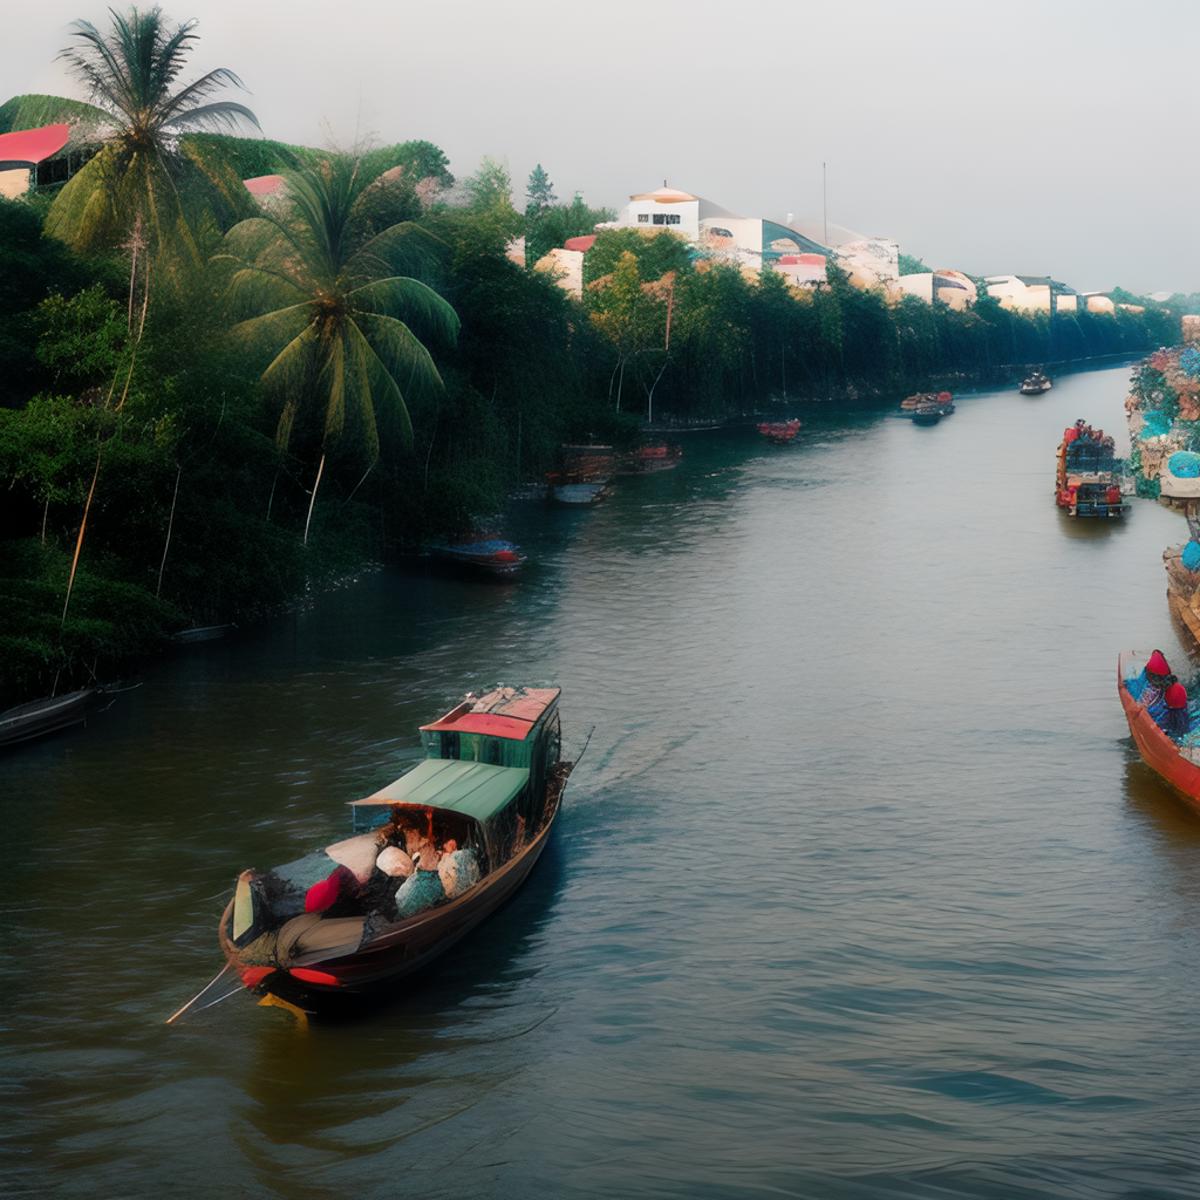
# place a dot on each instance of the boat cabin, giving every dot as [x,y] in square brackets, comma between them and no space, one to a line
[506,727]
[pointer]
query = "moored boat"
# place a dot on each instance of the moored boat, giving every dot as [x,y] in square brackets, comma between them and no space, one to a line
[584,475]
[648,460]
[201,633]
[1161,753]
[432,855]
[927,408]
[780,433]
[1035,384]
[495,557]
[40,717]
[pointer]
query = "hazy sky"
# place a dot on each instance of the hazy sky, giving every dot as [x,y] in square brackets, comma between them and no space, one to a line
[1031,136]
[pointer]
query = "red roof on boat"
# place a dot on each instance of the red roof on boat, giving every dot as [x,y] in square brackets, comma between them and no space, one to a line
[505,712]
[28,147]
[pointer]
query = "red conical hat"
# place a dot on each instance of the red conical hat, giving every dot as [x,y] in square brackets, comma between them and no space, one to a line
[1157,665]
[1177,696]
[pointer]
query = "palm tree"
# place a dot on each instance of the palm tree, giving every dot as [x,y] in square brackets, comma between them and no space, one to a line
[138,185]
[325,297]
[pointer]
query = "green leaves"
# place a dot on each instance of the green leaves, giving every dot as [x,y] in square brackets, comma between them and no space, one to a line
[328,309]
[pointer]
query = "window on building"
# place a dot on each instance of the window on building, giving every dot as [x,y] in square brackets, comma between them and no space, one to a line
[666,218]
[643,218]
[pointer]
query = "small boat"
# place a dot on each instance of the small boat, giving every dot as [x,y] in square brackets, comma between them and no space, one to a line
[486,556]
[649,460]
[584,476]
[780,433]
[927,413]
[201,633]
[40,717]
[459,834]
[1035,384]
[563,491]
[927,408]
[1159,752]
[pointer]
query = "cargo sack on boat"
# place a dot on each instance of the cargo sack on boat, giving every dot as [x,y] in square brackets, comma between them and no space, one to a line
[395,863]
[459,872]
[357,854]
[418,892]
[1191,556]
[313,934]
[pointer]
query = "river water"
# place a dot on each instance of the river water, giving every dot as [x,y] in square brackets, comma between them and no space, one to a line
[860,890]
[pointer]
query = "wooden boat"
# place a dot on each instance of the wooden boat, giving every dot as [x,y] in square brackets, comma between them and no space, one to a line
[1158,751]
[494,557]
[584,476]
[41,717]
[201,633]
[1035,384]
[492,780]
[649,460]
[780,433]
[1087,477]
[927,408]
[563,490]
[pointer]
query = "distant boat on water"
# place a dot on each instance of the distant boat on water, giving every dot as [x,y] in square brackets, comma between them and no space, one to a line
[649,460]
[780,433]
[584,476]
[496,557]
[201,633]
[1035,384]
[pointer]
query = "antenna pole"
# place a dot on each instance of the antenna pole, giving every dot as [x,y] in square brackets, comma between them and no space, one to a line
[825,202]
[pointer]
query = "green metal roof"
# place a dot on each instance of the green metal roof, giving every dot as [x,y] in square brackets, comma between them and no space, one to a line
[474,789]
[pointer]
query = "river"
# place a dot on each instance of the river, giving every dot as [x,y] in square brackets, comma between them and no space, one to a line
[860,890]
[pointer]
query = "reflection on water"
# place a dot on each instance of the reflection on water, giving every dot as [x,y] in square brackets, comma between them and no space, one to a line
[860,890]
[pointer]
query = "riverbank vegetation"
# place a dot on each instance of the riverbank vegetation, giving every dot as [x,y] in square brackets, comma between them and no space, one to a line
[211,406]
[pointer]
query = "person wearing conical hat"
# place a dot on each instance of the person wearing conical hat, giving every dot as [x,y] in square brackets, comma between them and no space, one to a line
[1176,721]
[1149,684]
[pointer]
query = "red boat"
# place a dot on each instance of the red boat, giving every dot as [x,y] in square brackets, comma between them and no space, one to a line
[1158,751]
[780,433]
[646,460]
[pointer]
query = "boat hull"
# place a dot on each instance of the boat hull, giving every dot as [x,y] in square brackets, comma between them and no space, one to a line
[371,971]
[42,717]
[1157,750]
[575,495]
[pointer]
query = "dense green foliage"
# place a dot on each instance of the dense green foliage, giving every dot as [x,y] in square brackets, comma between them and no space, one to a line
[178,452]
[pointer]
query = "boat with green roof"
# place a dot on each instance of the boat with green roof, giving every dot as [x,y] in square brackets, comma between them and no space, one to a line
[431,855]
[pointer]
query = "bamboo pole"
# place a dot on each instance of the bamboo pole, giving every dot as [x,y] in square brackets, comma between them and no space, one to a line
[170,526]
[313,501]
[87,508]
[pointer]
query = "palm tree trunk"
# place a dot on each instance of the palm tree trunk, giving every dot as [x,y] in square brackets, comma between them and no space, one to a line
[87,508]
[312,503]
[170,526]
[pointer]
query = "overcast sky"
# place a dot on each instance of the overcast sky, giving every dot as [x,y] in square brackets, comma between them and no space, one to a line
[1025,136]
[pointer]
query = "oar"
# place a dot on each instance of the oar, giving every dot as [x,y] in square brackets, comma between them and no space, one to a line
[180,1011]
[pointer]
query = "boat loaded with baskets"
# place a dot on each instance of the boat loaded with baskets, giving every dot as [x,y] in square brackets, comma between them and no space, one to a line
[1035,384]
[432,855]
[1089,478]
[649,460]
